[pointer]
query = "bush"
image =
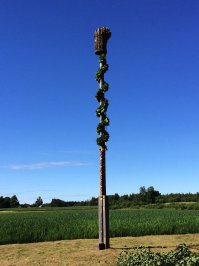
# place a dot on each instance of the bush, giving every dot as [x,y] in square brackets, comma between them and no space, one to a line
[143,256]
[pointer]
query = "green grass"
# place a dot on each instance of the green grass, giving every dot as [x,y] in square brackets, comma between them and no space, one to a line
[36,209]
[75,223]
[154,222]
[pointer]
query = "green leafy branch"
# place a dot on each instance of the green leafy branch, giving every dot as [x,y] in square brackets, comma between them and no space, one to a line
[100,93]
[100,96]
[102,70]
[101,126]
[103,139]
[101,110]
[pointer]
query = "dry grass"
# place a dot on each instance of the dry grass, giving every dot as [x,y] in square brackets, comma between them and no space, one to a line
[85,252]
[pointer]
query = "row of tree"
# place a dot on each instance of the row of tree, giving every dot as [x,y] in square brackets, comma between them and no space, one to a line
[13,202]
[145,196]
[8,202]
[150,195]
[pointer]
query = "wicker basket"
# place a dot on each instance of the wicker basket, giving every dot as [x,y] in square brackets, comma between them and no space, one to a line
[101,37]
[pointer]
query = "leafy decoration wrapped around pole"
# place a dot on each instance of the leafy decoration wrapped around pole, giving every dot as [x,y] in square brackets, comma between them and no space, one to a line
[101,37]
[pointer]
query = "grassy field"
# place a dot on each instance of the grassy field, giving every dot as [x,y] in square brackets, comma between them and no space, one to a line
[37,225]
[85,252]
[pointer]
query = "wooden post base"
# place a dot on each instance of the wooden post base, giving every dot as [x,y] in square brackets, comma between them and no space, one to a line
[101,246]
[104,241]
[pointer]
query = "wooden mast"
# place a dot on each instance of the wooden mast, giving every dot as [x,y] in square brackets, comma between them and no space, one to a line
[101,37]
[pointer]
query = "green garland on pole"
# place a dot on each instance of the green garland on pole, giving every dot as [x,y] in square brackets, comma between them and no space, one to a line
[101,110]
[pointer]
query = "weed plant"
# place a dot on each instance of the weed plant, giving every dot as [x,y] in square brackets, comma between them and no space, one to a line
[143,256]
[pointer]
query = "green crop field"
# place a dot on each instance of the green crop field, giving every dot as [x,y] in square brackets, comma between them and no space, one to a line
[24,226]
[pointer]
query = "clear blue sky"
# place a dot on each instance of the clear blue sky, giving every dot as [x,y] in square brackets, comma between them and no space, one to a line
[48,87]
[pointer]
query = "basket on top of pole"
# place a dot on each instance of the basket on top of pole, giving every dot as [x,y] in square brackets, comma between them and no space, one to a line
[101,37]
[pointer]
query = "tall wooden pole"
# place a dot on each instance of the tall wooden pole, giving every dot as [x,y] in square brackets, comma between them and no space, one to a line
[101,37]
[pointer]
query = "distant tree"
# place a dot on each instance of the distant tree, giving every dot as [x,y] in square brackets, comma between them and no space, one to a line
[57,203]
[152,194]
[197,196]
[124,197]
[143,194]
[14,203]
[25,205]
[1,201]
[38,202]
[116,196]
[93,201]
[4,202]
[142,190]
[134,197]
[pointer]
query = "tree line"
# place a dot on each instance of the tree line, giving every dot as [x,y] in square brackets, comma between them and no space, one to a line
[13,202]
[145,196]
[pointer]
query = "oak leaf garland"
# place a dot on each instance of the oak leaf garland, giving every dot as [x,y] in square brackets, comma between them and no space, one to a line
[101,110]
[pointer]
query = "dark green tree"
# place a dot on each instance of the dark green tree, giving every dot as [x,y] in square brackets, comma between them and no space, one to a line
[57,203]
[151,194]
[93,201]
[143,194]
[38,202]
[14,203]
[4,202]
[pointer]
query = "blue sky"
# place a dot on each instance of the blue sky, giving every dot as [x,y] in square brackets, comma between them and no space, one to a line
[47,97]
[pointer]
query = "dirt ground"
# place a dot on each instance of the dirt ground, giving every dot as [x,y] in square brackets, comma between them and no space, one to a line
[85,252]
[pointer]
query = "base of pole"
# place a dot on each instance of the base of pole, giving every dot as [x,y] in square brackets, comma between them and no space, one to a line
[107,245]
[101,246]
